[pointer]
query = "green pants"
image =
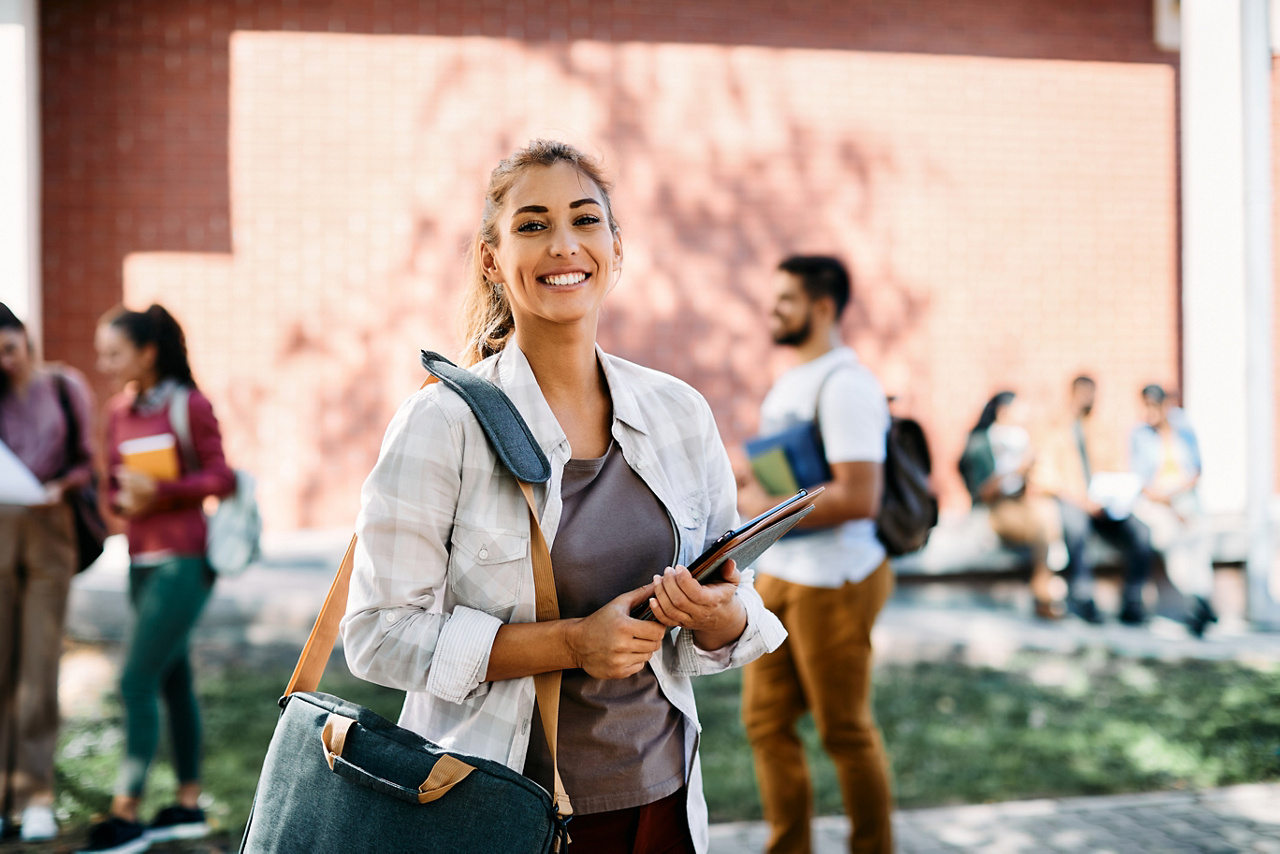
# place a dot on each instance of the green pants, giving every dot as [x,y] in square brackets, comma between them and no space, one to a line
[167,600]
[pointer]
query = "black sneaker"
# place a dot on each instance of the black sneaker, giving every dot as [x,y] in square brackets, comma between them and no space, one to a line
[178,822]
[116,836]
[1133,614]
[1200,615]
[1085,610]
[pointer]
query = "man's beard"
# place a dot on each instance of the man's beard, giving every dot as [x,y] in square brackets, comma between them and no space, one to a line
[794,337]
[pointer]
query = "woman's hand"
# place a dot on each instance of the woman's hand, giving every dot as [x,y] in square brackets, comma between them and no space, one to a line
[137,491]
[610,644]
[711,611]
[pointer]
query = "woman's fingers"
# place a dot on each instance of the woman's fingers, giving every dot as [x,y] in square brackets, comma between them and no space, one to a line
[680,600]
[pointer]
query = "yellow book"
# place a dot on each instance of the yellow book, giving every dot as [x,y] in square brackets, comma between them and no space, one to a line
[153,455]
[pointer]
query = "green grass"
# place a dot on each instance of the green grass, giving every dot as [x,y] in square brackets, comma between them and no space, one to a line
[1045,725]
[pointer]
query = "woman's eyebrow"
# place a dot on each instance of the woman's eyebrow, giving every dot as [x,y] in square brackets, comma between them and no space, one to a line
[542,208]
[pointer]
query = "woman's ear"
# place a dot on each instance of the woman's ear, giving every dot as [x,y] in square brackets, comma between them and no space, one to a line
[489,264]
[617,259]
[150,353]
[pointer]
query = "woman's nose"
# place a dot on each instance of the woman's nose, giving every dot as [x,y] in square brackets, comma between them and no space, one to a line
[564,243]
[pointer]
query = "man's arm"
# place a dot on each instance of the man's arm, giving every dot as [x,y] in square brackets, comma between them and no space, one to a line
[852,493]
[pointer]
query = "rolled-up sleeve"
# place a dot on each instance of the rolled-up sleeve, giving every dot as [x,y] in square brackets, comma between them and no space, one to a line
[395,632]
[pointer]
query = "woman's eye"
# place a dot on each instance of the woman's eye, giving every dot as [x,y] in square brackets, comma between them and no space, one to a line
[532,225]
[587,219]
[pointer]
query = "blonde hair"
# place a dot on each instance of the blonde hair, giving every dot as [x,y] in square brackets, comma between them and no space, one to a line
[486,313]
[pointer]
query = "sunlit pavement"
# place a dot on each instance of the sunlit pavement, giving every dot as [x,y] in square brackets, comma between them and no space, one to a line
[1238,818]
[275,603]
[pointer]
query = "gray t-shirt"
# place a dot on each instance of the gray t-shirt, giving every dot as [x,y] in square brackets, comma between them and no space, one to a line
[620,740]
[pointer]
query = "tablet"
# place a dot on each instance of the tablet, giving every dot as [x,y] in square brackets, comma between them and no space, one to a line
[746,542]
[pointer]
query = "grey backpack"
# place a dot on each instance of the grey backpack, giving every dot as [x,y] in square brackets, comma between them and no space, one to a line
[235,530]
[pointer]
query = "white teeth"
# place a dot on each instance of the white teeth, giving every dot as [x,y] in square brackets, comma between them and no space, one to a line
[565,279]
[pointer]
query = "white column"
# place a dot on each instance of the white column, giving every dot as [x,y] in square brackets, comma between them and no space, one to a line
[20,161]
[1213,256]
[1264,595]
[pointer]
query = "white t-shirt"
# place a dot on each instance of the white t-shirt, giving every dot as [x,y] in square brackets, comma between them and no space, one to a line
[854,419]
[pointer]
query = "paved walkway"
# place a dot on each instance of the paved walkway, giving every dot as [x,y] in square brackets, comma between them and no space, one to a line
[275,604]
[1240,818]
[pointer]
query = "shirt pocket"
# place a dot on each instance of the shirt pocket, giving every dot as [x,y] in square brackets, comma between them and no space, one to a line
[487,567]
[690,515]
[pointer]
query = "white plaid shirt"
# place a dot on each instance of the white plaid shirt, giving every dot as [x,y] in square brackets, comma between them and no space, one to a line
[443,556]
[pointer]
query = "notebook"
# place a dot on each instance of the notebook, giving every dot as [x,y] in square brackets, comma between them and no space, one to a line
[152,455]
[746,542]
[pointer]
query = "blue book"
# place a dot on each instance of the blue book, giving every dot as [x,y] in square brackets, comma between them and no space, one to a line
[790,459]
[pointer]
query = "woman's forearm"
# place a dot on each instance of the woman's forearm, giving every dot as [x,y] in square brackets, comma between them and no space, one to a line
[527,649]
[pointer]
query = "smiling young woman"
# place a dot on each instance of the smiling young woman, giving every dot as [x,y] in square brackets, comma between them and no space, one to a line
[442,595]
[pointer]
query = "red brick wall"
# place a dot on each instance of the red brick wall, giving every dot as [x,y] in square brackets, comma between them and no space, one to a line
[296,180]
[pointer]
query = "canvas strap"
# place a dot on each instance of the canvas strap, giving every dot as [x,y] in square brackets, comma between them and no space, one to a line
[319,645]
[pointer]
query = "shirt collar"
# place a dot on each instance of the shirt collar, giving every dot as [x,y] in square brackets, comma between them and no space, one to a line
[515,377]
[625,406]
[156,398]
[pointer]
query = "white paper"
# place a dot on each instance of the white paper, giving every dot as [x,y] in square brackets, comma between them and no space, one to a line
[17,484]
[1116,491]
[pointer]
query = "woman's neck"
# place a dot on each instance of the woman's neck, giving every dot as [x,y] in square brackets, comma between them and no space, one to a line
[565,366]
[21,381]
[573,384]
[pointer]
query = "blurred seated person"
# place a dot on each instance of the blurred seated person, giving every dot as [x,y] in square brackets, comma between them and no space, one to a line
[1164,453]
[1075,465]
[997,458]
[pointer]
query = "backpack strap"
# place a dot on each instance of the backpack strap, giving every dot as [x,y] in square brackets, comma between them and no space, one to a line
[508,434]
[72,451]
[180,421]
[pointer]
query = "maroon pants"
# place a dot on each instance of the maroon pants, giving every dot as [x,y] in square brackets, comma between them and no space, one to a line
[661,827]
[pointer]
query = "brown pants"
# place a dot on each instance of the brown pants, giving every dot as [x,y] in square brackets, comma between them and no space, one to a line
[37,562]
[1031,521]
[824,667]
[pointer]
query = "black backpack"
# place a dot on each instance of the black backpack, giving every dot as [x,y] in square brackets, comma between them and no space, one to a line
[908,508]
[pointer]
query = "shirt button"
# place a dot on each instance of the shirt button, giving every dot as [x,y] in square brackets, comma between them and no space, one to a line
[390,617]
[484,553]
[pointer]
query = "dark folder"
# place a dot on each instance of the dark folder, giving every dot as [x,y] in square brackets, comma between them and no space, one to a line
[746,542]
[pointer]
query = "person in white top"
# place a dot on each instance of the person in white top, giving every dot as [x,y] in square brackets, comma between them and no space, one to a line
[828,584]
[442,592]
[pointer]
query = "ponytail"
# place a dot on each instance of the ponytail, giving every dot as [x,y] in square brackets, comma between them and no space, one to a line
[156,326]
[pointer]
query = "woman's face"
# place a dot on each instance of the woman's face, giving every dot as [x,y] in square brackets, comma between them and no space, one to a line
[1013,412]
[556,257]
[122,360]
[15,354]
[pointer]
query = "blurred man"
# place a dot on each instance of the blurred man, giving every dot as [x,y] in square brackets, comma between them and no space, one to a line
[828,585]
[1090,498]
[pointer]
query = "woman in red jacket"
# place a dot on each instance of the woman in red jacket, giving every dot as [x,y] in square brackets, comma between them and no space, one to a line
[169,577]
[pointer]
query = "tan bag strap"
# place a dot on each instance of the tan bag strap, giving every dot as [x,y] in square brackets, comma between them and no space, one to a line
[319,645]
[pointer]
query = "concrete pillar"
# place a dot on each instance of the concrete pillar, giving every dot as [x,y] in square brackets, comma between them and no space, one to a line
[1228,277]
[20,161]
[1213,262]
[1260,283]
